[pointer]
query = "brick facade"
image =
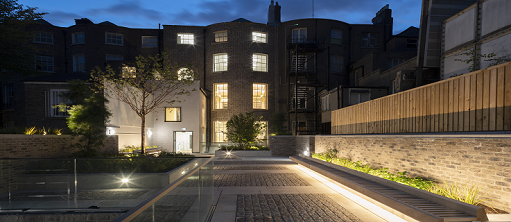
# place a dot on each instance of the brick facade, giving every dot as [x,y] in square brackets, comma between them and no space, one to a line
[484,160]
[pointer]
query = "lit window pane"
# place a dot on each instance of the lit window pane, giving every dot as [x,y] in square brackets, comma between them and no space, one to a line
[221,36]
[259,62]
[220,129]
[173,114]
[220,62]
[221,96]
[259,37]
[259,96]
[185,38]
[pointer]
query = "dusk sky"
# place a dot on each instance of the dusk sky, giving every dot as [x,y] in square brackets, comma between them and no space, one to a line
[147,14]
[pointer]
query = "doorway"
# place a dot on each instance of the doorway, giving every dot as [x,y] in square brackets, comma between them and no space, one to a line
[183,142]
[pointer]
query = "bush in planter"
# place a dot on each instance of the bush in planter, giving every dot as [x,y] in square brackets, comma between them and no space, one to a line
[244,129]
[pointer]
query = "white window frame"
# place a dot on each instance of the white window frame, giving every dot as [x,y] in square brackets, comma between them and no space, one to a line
[259,37]
[260,62]
[220,62]
[112,57]
[367,38]
[43,37]
[221,95]
[78,38]
[219,131]
[53,98]
[259,96]
[150,41]
[78,65]
[168,114]
[113,38]
[185,38]
[336,63]
[45,63]
[221,36]
[299,35]
[336,36]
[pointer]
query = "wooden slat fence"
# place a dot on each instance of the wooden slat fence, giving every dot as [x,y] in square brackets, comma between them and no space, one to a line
[476,101]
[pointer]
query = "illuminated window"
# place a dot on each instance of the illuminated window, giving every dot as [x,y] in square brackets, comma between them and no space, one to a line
[220,62]
[260,62]
[221,99]
[43,37]
[113,38]
[44,63]
[221,36]
[259,99]
[53,98]
[259,37]
[173,114]
[79,63]
[299,35]
[129,72]
[220,131]
[78,38]
[336,64]
[336,36]
[394,62]
[185,73]
[110,57]
[185,38]
[369,39]
[302,63]
[150,41]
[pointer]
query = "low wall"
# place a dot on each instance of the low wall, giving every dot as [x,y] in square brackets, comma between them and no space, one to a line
[482,159]
[44,146]
[291,145]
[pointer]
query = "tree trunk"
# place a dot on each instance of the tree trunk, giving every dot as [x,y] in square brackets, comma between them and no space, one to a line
[142,146]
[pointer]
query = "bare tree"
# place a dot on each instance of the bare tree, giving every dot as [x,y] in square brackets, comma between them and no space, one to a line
[145,86]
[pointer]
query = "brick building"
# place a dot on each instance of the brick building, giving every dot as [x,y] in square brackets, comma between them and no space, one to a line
[241,66]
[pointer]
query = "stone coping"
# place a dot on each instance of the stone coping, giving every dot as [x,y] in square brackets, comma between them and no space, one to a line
[415,203]
[244,153]
[495,134]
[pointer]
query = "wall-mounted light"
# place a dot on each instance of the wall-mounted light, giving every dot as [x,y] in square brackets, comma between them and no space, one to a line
[110,131]
[183,129]
[125,180]
[149,133]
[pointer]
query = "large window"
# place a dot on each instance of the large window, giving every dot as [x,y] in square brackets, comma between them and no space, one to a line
[259,37]
[220,131]
[336,36]
[113,38]
[43,37]
[259,92]
[150,41]
[302,63]
[359,96]
[8,96]
[185,38]
[369,39]
[299,35]
[79,63]
[260,62]
[53,98]
[336,64]
[78,38]
[44,63]
[394,62]
[221,95]
[173,114]
[221,36]
[111,57]
[220,62]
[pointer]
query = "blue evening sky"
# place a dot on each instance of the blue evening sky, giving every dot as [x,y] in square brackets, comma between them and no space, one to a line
[148,13]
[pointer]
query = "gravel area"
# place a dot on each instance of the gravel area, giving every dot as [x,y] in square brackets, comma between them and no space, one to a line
[290,207]
[277,162]
[250,168]
[259,179]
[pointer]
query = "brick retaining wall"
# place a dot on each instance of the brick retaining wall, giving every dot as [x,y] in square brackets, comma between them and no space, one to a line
[484,159]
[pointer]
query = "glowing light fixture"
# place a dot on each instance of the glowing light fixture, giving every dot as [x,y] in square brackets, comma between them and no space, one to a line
[125,180]
[110,131]
[149,133]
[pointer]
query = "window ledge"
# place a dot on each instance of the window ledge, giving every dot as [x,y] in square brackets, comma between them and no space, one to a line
[220,71]
[260,71]
[260,42]
[44,43]
[113,44]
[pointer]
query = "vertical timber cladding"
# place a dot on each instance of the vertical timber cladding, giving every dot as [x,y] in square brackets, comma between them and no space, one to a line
[476,101]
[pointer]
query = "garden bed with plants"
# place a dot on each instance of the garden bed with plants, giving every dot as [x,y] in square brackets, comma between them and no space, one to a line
[468,193]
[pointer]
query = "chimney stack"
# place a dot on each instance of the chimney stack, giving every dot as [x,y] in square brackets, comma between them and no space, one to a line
[273,14]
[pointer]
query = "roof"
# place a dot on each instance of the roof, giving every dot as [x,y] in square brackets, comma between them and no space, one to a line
[241,20]
[409,32]
[107,23]
[43,22]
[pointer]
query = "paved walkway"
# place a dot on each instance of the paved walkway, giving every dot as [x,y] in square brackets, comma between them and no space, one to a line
[277,189]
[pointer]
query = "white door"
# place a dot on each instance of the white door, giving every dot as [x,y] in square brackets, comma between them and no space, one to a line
[183,142]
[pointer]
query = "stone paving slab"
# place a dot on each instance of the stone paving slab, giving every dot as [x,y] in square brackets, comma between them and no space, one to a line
[290,207]
[259,179]
[234,162]
[251,168]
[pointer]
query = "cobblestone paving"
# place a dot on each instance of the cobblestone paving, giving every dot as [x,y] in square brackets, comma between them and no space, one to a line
[168,208]
[290,207]
[259,179]
[250,168]
[253,162]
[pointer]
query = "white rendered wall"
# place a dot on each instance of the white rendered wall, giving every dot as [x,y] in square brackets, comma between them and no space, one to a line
[452,67]
[496,14]
[460,30]
[501,46]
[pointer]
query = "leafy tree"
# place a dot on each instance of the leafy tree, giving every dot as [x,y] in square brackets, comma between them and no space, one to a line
[87,117]
[278,121]
[243,129]
[146,86]
[16,52]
